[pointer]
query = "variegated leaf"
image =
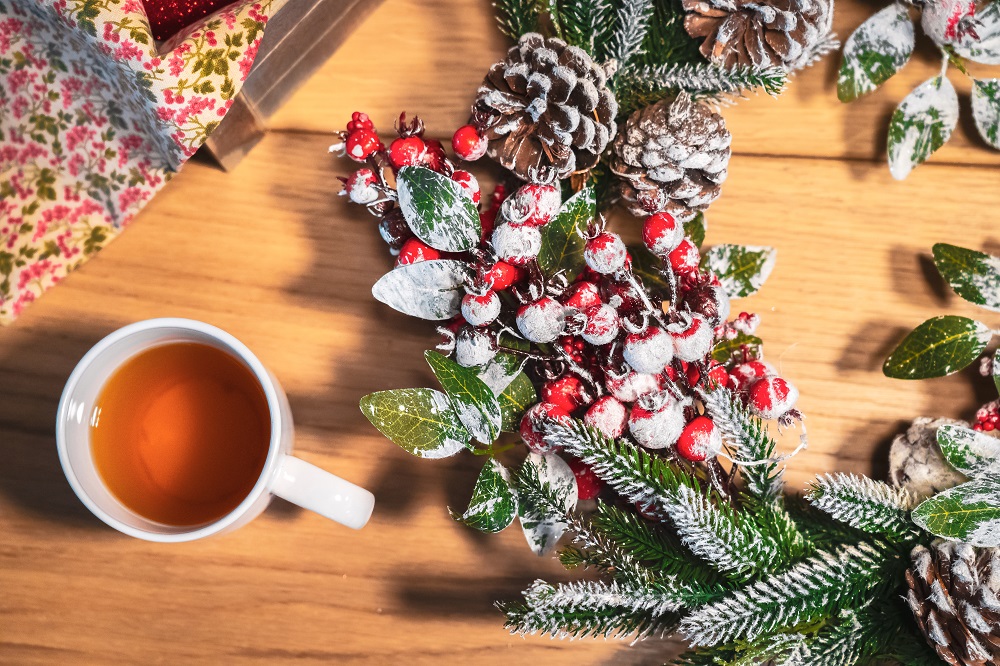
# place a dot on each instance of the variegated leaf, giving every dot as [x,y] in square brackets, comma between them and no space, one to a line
[986,109]
[420,421]
[921,124]
[494,503]
[971,453]
[543,531]
[874,52]
[969,512]
[427,289]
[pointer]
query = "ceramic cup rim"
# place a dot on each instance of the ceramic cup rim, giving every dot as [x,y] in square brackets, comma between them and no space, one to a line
[237,349]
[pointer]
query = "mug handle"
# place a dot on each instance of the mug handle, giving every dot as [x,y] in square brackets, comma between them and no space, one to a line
[328,495]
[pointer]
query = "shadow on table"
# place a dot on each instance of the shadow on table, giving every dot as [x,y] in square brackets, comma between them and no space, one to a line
[34,369]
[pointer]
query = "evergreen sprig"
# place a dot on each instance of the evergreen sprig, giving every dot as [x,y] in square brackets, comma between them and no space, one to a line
[516,17]
[865,504]
[644,85]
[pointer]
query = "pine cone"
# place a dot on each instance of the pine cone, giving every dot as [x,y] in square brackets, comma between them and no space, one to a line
[671,156]
[953,596]
[774,33]
[546,110]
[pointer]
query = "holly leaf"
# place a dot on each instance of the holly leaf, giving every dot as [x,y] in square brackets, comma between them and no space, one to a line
[562,237]
[427,289]
[514,390]
[938,347]
[921,124]
[874,52]
[986,109]
[472,400]
[419,420]
[725,349]
[437,210]
[975,276]
[969,512]
[971,453]
[984,46]
[543,531]
[742,269]
[494,504]
[695,229]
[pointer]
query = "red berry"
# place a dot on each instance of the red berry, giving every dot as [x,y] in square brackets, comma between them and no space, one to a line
[517,244]
[359,121]
[469,184]
[533,426]
[661,234]
[582,295]
[361,144]
[360,187]
[567,393]
[487,220]
[657,429]
[699,440]
[605,253]
[648,351]
[468,144]
[608,415]
[745,374]
[602,324]
[772,397]
[588,484]
[503,275]
[542,321]
[415,250]
[685,257]
[406,151]
[532,205]
[717,376]
[621,296]
[481,310]
[692,338]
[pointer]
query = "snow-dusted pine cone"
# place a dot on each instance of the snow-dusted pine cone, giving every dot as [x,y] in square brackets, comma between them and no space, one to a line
[916,462]
[773,33]
[671,156]
[546,109]
[953,595]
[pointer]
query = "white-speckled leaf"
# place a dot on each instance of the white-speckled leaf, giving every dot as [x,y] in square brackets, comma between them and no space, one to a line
[427,289]
[971,453]
[921,124]
[473,401]
[542,532]
[969,512]
[742,269]
[986,109]
[494,504]
[437,210]
[975,276]
[996,369]
[984,47]
[513,388]
[938,347]
[419,420]
[874,52]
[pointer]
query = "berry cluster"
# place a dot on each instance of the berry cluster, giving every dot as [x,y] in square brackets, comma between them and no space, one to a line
[988,417]
[631,358]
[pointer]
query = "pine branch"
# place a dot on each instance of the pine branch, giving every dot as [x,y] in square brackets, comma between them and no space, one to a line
[820,529]
[583,23]
[711,530]
[666,40]
[865,504]
[813,588]
[631,25]
[748,437]
[517,17]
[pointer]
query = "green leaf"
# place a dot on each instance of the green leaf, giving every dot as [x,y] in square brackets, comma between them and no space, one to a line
[419,420]
[975,276]
[437,209]
[938,347]
[986,109]
[695,229]
[742,269]
[725,350]
[543,531]
[969,512]
[472,400]
[644,267]
[971,453]
[874,52]
[514,390]
[996,370]
[427,289]
[921,124]
[562,237]
[493,505]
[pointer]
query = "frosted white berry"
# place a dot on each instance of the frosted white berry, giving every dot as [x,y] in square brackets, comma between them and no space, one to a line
[605,253]
[662,234]
[602,325]
[632,386]
[532,205]
[474,347]
[607,415]
[481,310]
[517,244]
[542,321]
[648,351]
[360,187]
[693,337]
[470,186]
[772,397]
[657,428]
[533,424]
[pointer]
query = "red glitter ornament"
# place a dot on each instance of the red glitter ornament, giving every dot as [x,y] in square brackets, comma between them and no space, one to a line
[168,17]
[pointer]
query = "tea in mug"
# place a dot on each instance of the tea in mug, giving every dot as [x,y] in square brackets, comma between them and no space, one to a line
[180,433]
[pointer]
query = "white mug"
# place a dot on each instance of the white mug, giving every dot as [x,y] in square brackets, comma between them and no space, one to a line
[283,475]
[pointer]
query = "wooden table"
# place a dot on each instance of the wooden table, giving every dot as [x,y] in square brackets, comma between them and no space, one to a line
[269,253]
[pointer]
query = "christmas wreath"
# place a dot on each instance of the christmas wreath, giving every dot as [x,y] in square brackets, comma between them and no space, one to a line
[610,394]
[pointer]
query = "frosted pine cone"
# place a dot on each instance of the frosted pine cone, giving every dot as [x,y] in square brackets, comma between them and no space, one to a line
[774,33]
[953,595]
[671,156]
[546,110]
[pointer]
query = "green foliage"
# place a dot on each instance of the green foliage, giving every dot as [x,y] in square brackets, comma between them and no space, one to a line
[737,348]
[874,52]
[437,210]
[421,421]
[427,289]
[986,109]
[516,17]
[471,399]
[695,229]
[493,505]
[975,276]
[563,241]
[921,124]
[938,347]
[971,453]
[742,269]
[968,512]
[647,84]
[865,504]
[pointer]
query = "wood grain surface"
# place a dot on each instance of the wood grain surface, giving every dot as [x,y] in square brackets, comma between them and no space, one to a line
[269,253]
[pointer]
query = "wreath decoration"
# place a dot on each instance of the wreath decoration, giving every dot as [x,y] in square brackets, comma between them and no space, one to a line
[612,396]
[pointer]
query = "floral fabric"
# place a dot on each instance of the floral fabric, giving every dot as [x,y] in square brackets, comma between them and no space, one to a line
[94,119]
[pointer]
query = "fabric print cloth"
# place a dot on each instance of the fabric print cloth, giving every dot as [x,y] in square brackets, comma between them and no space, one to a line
[94,119]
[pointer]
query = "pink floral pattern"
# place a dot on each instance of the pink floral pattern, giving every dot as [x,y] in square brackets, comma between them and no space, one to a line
[94,119]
